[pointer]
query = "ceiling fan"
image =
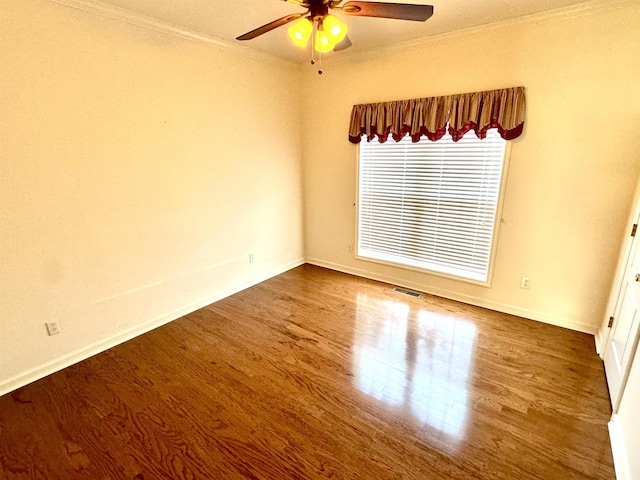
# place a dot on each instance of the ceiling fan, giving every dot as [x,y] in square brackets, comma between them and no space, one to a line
[330,32]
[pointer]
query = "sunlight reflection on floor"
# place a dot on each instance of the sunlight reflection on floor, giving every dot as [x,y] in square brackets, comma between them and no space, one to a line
[416,360]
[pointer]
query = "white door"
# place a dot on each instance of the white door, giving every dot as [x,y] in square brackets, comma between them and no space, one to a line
[623,338]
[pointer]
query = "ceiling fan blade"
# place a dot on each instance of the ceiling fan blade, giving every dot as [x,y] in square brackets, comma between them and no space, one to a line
[343,45]
[270,26]
[401,11]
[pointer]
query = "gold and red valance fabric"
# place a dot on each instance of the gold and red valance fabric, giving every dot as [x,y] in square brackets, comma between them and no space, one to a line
[431,117]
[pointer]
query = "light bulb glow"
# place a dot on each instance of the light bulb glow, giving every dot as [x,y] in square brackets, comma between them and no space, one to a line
[300,32]
[323,41]
[334,28]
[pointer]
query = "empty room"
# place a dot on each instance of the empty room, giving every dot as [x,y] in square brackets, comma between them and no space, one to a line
[306,239]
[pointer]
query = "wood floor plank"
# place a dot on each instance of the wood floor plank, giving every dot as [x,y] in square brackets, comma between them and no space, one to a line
[316,374]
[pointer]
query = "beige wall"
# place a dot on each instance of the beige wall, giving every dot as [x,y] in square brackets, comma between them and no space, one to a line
[138,171]
[575,164]
[129,194]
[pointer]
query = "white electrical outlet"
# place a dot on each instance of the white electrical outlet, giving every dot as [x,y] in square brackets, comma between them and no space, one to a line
[525,282]
[53,327]
[252,258]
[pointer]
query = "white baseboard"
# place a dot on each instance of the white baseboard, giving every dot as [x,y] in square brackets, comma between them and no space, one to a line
[24,378]
[85,352]
[619,455]
[471,300]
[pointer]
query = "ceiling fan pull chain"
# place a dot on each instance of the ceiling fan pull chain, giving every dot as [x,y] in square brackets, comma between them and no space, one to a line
[313,60]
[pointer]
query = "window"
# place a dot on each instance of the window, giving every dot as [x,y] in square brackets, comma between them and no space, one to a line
[431,205]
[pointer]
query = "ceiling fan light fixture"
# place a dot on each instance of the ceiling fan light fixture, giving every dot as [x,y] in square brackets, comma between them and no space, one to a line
[300,32]
[334,28]
[330,31]
[323,42]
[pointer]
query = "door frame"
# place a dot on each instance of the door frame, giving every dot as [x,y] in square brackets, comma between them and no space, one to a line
[603,335]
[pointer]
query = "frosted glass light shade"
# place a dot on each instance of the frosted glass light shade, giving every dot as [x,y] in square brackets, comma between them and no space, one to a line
[323,41]
[334,28]
[300,32]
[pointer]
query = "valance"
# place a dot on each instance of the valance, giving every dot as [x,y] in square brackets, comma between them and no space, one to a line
[503,109]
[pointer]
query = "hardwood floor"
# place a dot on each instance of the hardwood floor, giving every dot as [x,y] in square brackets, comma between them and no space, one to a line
[316,374]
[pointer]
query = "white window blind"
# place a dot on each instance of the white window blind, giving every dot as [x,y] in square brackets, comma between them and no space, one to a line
[431,205]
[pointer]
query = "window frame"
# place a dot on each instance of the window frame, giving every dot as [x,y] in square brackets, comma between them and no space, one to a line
[499,219]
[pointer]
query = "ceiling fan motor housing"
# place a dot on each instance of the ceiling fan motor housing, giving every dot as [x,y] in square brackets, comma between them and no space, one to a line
[317,11]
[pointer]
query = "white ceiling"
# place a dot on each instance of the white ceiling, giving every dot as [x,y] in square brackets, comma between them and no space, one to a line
[227,19]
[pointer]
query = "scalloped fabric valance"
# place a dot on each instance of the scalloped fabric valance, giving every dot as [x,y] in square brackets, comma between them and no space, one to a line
[431,117]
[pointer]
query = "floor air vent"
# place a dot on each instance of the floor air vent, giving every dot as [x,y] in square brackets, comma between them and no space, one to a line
[407,292]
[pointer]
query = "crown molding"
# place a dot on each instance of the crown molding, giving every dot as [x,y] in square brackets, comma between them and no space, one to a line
[549,16]
[133,18]
[144,21]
